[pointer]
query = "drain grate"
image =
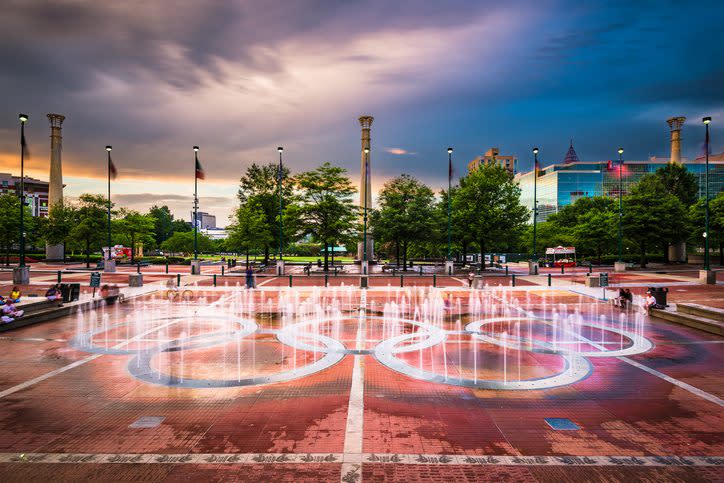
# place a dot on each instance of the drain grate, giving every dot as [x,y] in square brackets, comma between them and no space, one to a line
[562,424]
[147,422]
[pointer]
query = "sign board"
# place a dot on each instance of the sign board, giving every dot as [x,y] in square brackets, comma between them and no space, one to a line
[95,280]
[603,279]
[560,250]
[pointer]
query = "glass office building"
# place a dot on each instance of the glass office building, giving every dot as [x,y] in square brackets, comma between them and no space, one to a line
[562,184]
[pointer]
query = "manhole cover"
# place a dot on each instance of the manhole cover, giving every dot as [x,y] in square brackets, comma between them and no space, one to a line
[147,422]
[562,424]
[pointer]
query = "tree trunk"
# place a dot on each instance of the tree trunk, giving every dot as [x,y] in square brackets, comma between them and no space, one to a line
[397,248]
[404,255]
[643,256]
[482,255]
[266,254]
[87,253]
[721,253]
[247,258]
[333,245]
[598,254]
[133,249]
[666,252]
[326,256]
[465,252]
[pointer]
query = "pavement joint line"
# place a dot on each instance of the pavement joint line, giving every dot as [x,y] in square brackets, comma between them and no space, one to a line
[353,434]
[355,460]
[73,365]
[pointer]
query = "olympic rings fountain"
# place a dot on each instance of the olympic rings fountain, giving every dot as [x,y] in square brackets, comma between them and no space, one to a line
[409,332]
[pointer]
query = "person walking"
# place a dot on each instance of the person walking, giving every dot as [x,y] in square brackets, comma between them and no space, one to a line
[249,278]
[471,279]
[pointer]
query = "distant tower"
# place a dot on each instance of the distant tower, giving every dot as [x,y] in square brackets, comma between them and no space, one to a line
[675,124]
[55,188]
[365,184]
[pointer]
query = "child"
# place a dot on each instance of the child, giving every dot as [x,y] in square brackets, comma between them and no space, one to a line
[53,293]
[10,313]
[15,295]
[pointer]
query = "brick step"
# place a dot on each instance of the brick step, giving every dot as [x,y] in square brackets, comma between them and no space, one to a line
[36,317]
[32,305]
[690,320]
[701,311]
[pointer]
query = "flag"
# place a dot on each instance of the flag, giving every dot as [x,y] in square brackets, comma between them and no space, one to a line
[199,170]
[24,145]
[112,171]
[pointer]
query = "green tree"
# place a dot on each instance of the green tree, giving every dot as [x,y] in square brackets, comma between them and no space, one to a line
[716,223]
[91,223]
[406,213]
[488,203]
[260,185]
[162,223]
[61,220]
[10,222]
[180,226]
[249,230]
[653,217]
[679,182]
[135,228]
[183,242]
[327,212]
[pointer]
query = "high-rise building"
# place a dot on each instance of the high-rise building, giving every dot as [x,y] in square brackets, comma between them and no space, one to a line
[205,220]
[36,192]
[492,156]
[562,183]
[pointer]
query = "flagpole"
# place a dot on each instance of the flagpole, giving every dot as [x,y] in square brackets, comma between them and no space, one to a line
[281,202]
[620,204]
[23,147]
[535,203]
[449,187]
[196,203]
[108,150]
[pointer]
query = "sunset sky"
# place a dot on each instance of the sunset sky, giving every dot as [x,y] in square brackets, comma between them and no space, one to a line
[240,78]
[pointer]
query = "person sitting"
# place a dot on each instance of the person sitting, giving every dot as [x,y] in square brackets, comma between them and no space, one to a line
[10,312]
[650,303]
[15,295]
[628,299]
[53,293]
[3,300]
[620,301]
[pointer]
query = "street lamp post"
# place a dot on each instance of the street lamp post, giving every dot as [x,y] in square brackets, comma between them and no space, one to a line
[108,152]
[620,204]
[196,203]
[364,217]
[706,121]
[23,147]
[535,203]
[449,212]
[281,201]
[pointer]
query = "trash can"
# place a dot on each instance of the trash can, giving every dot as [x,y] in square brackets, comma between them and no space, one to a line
[74,292]
[659,293]
[65,292]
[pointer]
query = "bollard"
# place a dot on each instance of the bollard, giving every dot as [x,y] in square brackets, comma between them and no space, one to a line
[60,275]
[506,270]
[513,277]
[421,270]
[138,267]
[178,279]
[434,280]
[166,266]
[214,280]
[326,279]
[394,272]
[222,270]
[563,268]
[290,280]
[402,280]
[549,279]
[590,268]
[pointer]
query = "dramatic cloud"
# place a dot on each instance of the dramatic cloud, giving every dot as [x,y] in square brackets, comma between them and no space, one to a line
[240,78]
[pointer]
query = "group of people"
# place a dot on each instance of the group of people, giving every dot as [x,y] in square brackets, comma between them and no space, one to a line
[8,311]
[624,299]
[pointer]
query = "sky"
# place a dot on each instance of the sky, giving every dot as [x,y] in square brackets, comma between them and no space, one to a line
[239,78]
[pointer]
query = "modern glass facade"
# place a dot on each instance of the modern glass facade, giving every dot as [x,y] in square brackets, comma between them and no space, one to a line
[559,185]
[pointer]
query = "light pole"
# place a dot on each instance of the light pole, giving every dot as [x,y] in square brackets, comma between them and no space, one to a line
[196,203]
[23,147]
[449,212]
[281,201]
[364,217]
[535,203]
[707,121]
[620,204]
[108,152]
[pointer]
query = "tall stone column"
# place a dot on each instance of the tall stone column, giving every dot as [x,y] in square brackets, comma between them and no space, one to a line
[55,187]
[675,124]
[365,185]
